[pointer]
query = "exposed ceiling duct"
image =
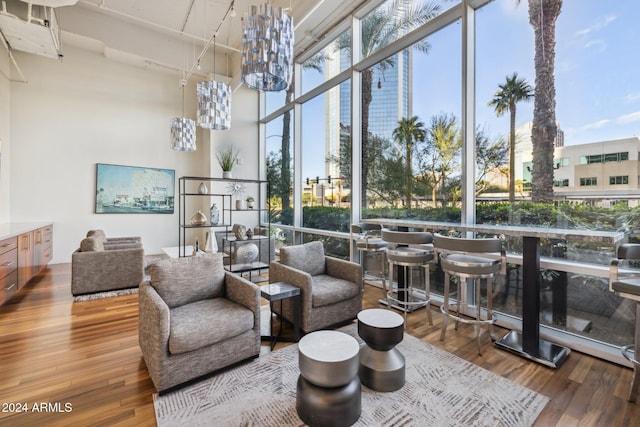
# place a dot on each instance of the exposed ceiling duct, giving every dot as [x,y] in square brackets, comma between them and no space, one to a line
[32,27]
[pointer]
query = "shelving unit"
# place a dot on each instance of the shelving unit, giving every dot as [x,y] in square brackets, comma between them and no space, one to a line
[217,190]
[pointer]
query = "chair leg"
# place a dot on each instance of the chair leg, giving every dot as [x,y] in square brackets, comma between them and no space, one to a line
[390,289]
[445,306]
[492,332]
[382,264]
[478,283]
[462,297]
[427,290]
[635,381]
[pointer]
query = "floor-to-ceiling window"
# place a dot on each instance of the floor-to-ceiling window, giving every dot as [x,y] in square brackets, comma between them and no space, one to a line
[411,126]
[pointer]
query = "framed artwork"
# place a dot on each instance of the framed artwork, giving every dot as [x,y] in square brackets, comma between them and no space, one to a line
[134,190]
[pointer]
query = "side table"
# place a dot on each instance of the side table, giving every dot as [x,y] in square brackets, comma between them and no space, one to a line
[278,291]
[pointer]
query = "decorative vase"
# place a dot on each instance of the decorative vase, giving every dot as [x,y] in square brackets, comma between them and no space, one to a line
[246,254]
[202,189]
[210,245]
[250,204]
[240,205]
[227,174]
[249,233]
[198,218]
[214,215]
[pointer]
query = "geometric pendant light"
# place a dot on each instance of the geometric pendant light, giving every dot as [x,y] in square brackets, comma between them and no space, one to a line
[214,105]
[183,130]
[183,134]
[267,48]
[214,101]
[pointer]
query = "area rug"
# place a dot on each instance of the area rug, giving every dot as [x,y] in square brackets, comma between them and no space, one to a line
[106,294]
[441,389]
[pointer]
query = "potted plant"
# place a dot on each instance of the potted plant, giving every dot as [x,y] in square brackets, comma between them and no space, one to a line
[227,157]
[250,201]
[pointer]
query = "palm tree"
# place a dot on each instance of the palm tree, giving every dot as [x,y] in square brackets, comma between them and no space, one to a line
[505,99]
[381,27]
[409,130]
[542,17]
[439,156]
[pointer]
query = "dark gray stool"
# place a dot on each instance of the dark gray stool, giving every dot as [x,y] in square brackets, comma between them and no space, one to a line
[382,366]
[469,259]
[328,391]
[628,286]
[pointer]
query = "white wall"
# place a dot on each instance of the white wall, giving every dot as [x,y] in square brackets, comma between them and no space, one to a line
[87,110]
[5,69]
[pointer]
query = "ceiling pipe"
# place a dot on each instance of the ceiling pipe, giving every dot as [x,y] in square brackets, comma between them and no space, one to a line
[151,24]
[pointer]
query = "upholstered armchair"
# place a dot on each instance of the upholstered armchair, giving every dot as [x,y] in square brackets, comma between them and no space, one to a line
[97,266]
[331,288]
[195,318]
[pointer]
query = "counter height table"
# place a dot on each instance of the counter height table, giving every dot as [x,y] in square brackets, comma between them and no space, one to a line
[528,343]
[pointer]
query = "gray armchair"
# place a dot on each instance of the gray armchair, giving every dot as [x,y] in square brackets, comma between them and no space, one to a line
[99,267]
[195,318]
[331,288]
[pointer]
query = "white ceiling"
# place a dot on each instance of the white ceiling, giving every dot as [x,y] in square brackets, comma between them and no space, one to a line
[171,34]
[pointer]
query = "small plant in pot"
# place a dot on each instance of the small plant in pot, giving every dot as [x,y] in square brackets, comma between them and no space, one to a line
[250,202]
[227,157]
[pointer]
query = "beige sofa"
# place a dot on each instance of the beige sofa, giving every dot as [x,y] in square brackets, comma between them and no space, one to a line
[195,318]
[102,264]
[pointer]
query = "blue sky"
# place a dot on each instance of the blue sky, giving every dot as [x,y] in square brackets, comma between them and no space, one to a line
[597,67]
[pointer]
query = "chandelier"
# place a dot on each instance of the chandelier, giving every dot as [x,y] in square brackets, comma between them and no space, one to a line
[267,48]
[214,101]
[183,130]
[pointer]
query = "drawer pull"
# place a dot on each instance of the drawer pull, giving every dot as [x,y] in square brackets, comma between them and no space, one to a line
[13,285]
[7,264]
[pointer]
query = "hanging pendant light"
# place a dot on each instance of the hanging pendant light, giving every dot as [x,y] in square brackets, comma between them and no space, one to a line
[214,101]
[267,48]
[183,131]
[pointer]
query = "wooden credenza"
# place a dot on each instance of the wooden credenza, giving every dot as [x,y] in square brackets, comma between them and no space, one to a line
[24,251]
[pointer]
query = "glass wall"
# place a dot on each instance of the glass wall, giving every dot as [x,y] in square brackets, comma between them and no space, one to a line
[427,97]
[280,167]
[326,160]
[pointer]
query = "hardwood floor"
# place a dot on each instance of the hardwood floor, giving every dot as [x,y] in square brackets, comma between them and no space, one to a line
[82,362]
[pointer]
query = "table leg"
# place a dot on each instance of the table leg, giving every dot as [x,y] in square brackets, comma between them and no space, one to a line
[528,343]
[296,317]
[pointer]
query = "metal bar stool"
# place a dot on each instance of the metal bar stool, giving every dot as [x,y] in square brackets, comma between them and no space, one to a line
[409,249]
[467,259]
[368,241]
[628,286]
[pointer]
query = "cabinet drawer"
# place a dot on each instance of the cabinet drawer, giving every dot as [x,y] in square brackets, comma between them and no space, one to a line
[47,255]
[8,286]
[8,262]
[47,235]
[8,244]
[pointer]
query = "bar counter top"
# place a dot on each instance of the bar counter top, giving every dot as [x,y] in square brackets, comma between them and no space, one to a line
[13,229]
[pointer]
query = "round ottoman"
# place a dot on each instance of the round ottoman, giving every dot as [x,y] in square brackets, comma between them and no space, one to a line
[328,391]
[382,366]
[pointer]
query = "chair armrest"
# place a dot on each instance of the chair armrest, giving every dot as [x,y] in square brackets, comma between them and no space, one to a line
[124,244]
[153,326]
[124,239]
[344,269]
[244,292]
[279,272]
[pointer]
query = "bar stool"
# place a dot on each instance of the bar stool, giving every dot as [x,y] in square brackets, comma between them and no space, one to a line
[628,287]
[467,259]
[409,249]
[368,241]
